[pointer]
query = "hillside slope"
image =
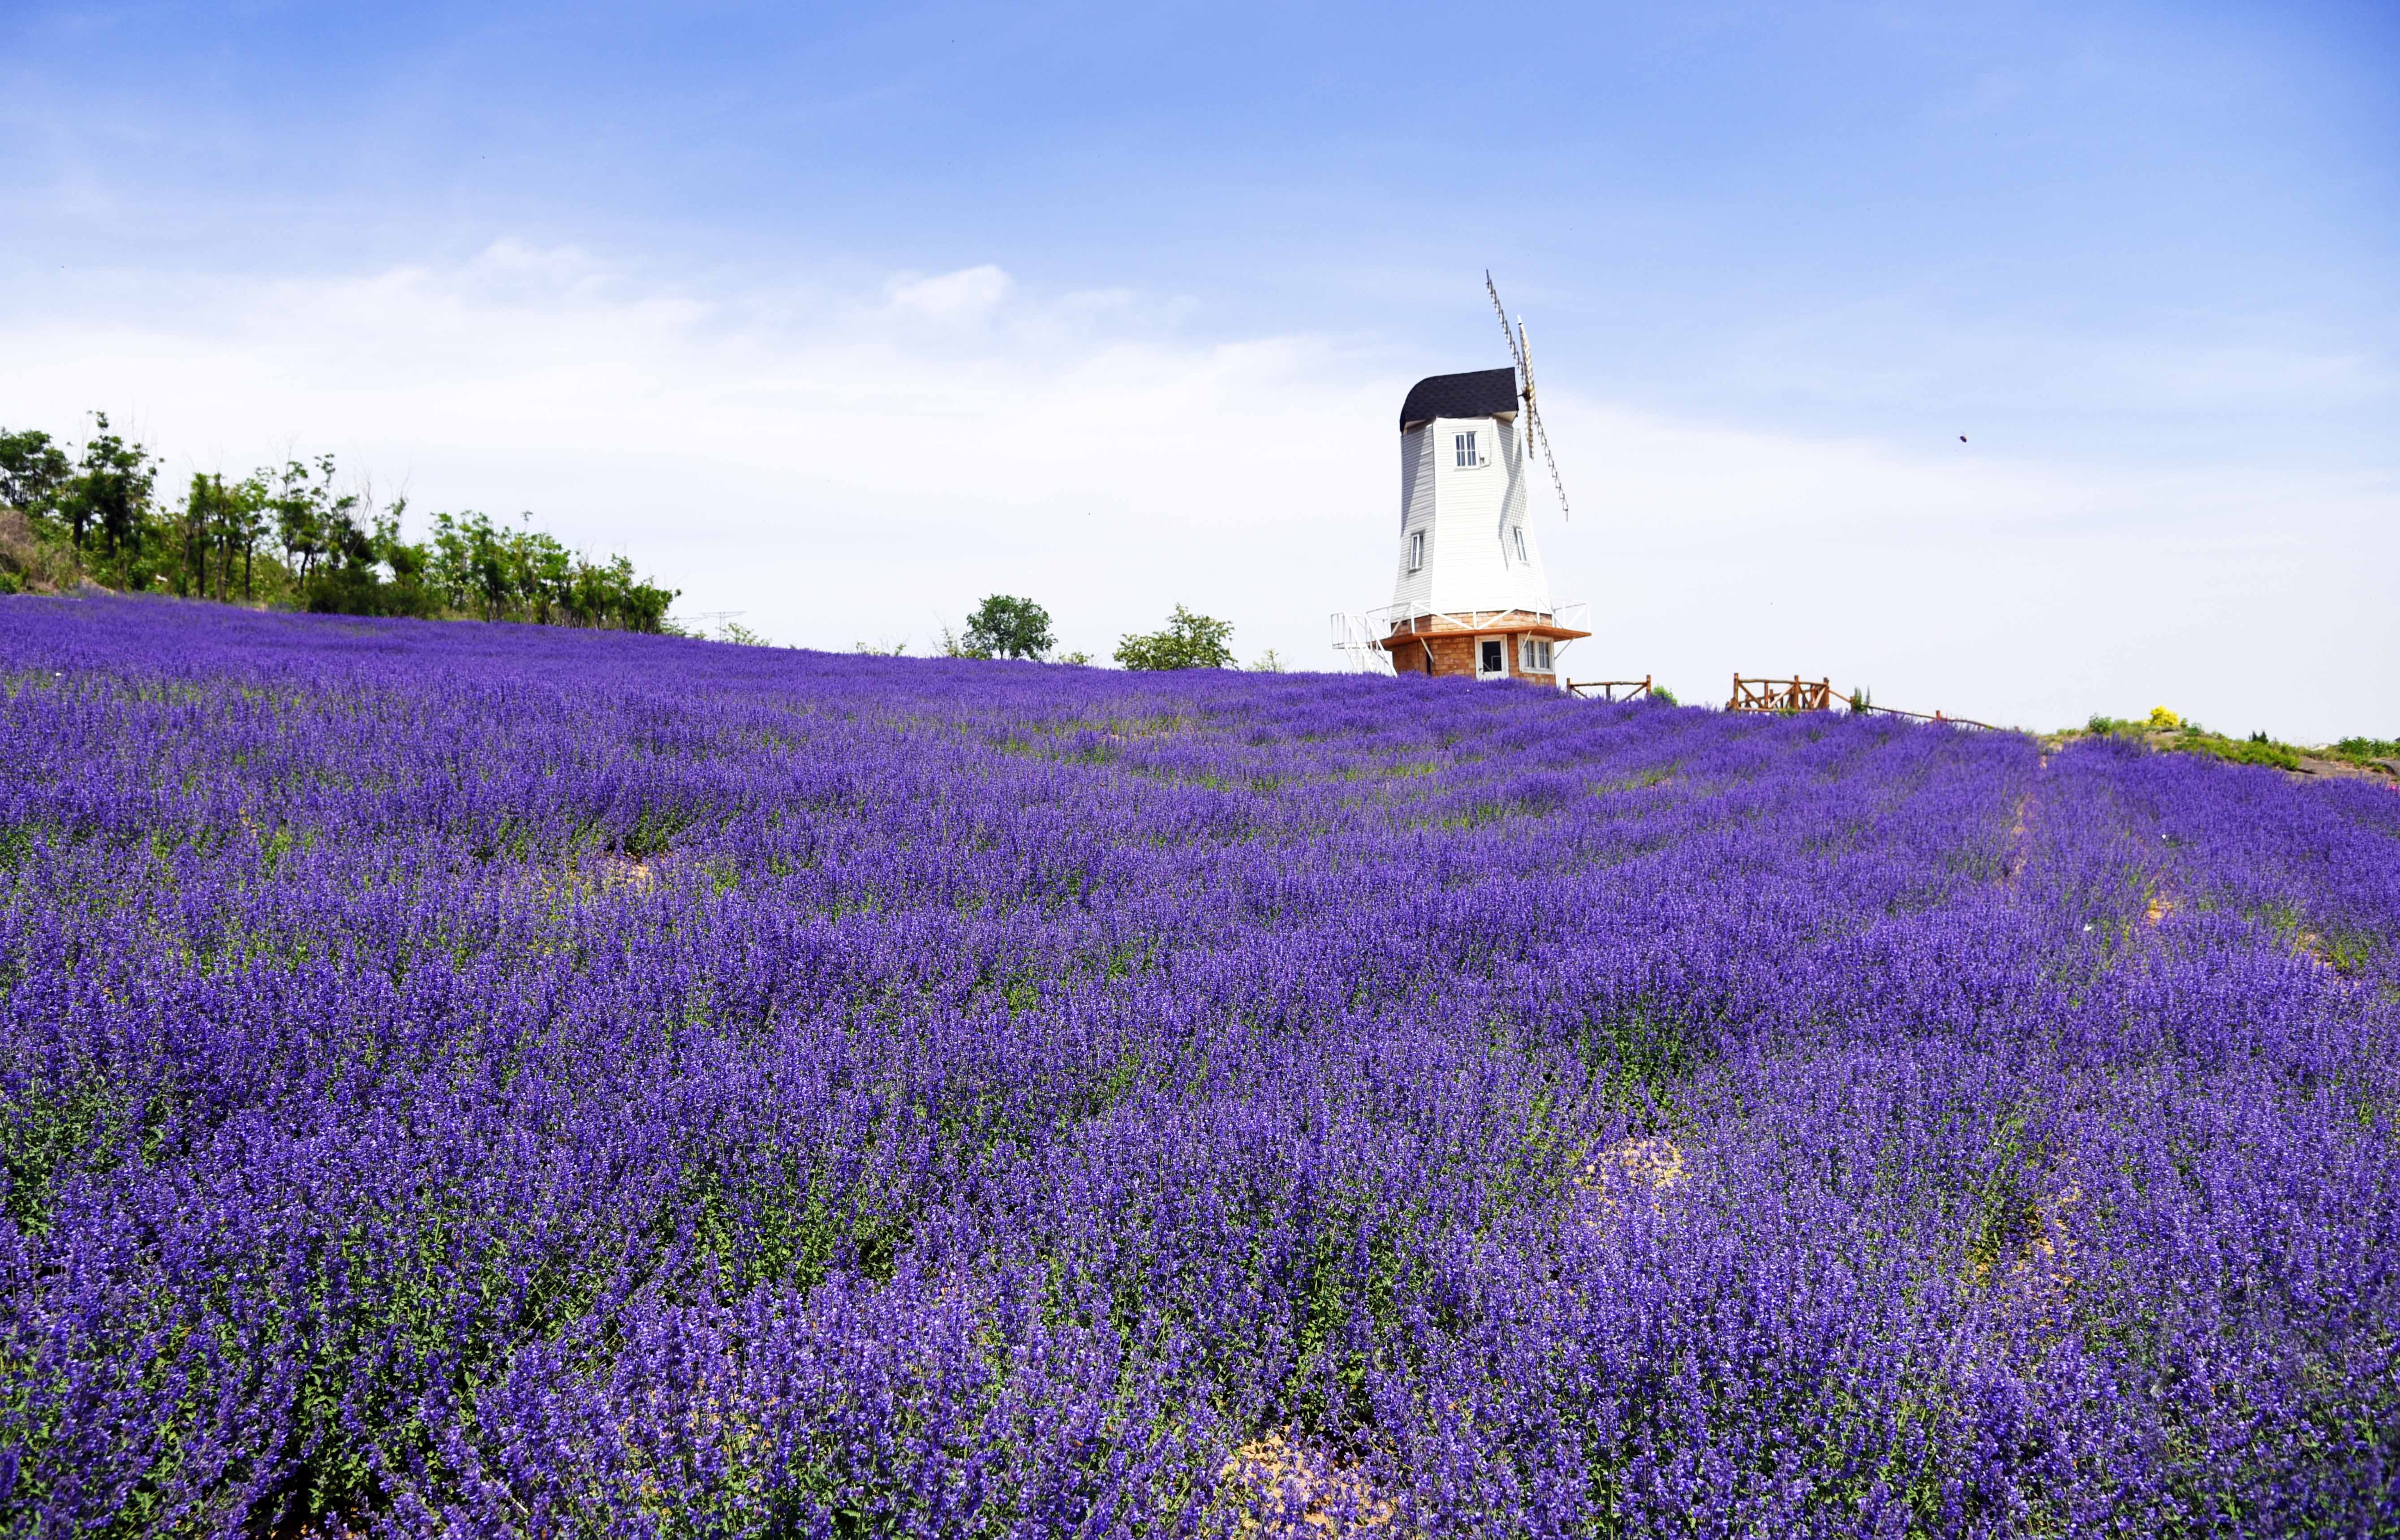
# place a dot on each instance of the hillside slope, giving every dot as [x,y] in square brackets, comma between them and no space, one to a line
[507,1079]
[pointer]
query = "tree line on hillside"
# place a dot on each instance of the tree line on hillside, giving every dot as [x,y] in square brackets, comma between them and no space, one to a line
[1007,625]
[289,537]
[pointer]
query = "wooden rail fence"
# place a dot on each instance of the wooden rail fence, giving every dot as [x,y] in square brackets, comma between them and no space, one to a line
[1798,694]
[1921,716]
[1634,688]
[1777,695]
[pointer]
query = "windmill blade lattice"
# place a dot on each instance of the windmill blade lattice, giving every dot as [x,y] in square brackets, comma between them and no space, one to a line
[1520,351]
[1534,413]
[1516,353]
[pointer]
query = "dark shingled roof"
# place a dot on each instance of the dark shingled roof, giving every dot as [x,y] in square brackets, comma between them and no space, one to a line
[1477,394]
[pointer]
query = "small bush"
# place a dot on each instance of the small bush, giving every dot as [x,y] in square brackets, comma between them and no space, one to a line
[1189,641]
[2361,751]
[2257,751]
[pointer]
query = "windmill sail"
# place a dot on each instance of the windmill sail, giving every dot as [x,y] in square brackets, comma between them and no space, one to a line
[1520,350]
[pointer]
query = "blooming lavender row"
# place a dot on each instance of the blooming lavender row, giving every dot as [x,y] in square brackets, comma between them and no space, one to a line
[464,1079]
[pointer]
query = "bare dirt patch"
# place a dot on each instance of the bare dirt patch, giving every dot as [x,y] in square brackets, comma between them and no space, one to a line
[1282,1488]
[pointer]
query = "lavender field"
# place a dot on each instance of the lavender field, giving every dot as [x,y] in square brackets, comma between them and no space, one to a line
[495,1080]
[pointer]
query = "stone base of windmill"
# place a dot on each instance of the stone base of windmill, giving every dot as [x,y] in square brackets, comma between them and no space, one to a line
[1504,645]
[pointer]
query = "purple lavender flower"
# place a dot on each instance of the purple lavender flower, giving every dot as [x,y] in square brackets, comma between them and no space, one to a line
[463,1079]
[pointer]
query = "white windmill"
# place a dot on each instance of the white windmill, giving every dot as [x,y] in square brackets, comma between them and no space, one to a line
[1470,596]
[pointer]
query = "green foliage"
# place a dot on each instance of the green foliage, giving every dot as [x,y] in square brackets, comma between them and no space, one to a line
[2361,751]
[1004,626]
[90,516]
[1660,692]
[2254,750]
[1642,1056]
[1189,641]
[33,471]
[313,523]
[293,537]
[109,495]
[479,567]
[1269,662]
[221,524]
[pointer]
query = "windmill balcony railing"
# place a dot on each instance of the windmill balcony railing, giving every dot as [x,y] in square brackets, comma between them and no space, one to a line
[1395,619]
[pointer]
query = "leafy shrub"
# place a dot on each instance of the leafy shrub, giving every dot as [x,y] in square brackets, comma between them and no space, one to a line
[1189,641]
[2257,751]
[2365,750]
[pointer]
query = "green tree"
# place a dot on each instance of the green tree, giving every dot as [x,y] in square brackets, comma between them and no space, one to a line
[240,529]
[469,568]
[315,525]
[199,530]
[1006,627]
[33,471]
[297,528]
[407,592]
[1189,641]
[632,604]
[110,490]
[473,566]
[338,551]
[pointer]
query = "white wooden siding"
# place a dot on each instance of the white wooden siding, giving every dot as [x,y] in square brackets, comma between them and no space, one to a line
[1417,483]
[1471,513]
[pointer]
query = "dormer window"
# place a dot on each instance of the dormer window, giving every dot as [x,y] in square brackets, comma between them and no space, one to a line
[1463,446]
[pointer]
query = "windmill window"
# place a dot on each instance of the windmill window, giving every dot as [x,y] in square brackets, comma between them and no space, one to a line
[1417,551]
[1520,533]
[1463,446]
[1538,655]
[1494,655]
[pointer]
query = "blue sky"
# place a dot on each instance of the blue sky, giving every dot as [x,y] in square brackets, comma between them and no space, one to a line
[2143,257]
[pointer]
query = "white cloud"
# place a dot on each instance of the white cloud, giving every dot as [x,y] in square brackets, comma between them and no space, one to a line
[966,294]
[873,468]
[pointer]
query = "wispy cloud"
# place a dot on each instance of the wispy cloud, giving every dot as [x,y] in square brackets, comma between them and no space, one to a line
[968,294]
